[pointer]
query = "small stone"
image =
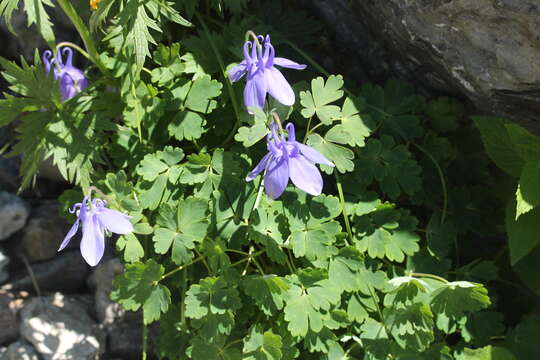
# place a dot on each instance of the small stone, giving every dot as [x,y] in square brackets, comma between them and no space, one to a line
[60,329]
[9,329]
[66,272]
[107,311]
[4,262]
[21,350]
[13,214]
[3,353]
[44,233]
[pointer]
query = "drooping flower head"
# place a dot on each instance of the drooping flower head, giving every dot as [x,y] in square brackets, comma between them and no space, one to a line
[289,159]
[262,75]
[72,80]
[95,218]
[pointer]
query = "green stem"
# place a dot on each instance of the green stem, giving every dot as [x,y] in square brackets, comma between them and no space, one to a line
[172,272]
[443,181]
[248,258]
[308,58]
[307,129]
[431,276]
[343,209]
[74,46]
[145,341]
[230,89]
[71,13]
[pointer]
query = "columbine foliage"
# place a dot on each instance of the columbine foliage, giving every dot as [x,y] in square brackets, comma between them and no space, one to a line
[378,266]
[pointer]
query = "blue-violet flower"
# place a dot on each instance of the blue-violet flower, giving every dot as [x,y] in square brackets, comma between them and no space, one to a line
[96,218]
[289,158]
[72,80]
[262,76]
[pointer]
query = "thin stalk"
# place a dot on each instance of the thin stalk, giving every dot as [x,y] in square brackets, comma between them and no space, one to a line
[172,272]
[247,258]
[227,81]
[343,209]
[431,276]
[74,46]
[307,129]
[145,341]
[291,260]
[79,24]
[443,181]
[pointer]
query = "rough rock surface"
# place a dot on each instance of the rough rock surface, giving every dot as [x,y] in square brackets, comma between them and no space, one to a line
[4,262]
[65,272]
[9,330]
[60,329]
[487,50]
[13,214]
[21,350]
[44,233]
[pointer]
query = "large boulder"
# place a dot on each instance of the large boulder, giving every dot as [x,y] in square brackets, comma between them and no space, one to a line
[486,50]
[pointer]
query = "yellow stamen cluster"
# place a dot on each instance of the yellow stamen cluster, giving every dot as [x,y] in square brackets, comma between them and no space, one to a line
[94,4]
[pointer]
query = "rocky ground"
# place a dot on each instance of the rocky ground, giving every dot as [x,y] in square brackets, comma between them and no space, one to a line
[53,306]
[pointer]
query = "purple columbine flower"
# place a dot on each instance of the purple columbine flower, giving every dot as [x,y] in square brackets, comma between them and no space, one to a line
[96,218]
[72,80]
[289,158]
[262,76]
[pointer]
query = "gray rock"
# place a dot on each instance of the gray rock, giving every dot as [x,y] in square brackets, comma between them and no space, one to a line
[125,339]
[101,280]
[66,272]
[9,327]
[9,168]
[21,350]
[44,232]
[60,329]
[486,50]
[4,262]
[13,214]
[3,353]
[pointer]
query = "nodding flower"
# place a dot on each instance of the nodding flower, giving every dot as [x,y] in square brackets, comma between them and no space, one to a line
[262,75]
[289,159]
[72,80]
[95,218]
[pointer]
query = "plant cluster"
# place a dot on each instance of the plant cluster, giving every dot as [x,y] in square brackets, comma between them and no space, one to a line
[381,265]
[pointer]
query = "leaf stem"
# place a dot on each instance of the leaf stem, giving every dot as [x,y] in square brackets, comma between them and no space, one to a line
[230,89]
[172,272]
[93,55]
[307,129]
[343,209]
[443,181]
[145,341]
[247,258]
[431,276]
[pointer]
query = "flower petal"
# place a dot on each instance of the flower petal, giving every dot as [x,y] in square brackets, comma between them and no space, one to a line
[237,72]
[255,91]
[93,242]
[278,86]
[286,63]
[114,221]
[276,178]
[259,168]
[313,155]
[305,175]
[72,231]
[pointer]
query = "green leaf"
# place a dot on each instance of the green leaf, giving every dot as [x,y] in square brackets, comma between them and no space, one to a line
[190,227]
[444,113]
[523,232]
[186,125]
[524,338]
[305,299]
[262,346]
[452,301]
[341,156]
[133,250]
[211,295]
[196,169]
[353,128]
[391,165]
[528,193]
[36,14]
[489,352]
[200,94]
[318,100]
[499,145]
[411,327]
[267,291]
[138,286]
[249,136]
